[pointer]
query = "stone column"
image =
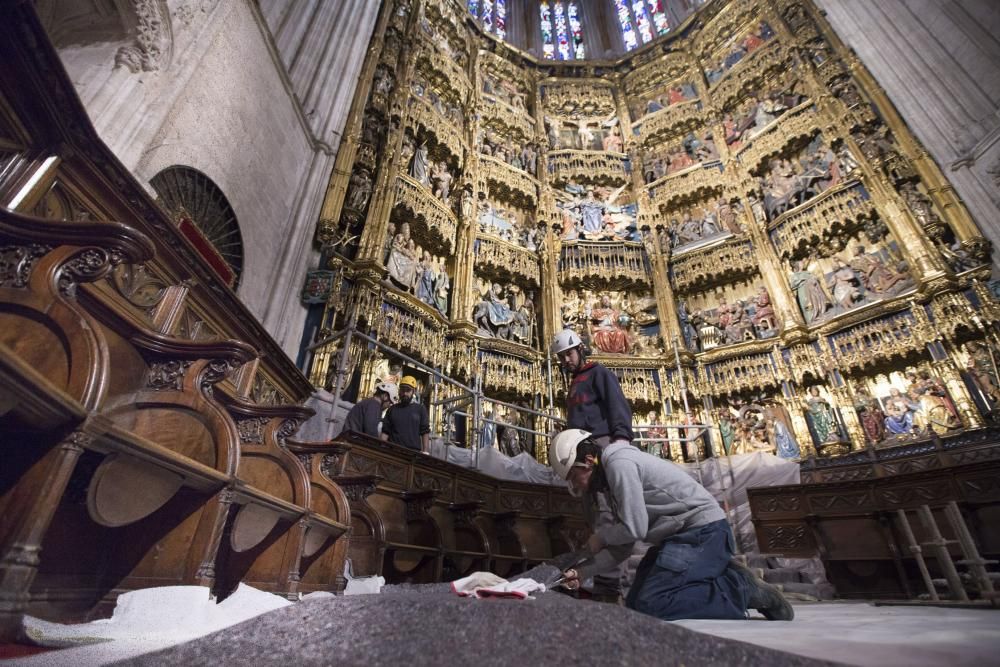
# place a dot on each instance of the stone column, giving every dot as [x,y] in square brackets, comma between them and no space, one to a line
[550,250]
[384,187]
[463,282]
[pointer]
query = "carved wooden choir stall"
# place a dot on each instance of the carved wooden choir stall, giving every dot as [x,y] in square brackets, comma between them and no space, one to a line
[147,419]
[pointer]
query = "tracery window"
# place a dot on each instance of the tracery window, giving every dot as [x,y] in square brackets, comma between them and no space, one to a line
[193,198]
[562,32]
[641,21]
[491,14]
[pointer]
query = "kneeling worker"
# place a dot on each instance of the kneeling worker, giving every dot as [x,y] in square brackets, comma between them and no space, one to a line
[688,572]
[365,415]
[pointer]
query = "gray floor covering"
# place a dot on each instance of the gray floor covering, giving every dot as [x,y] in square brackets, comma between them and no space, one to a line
[415,629]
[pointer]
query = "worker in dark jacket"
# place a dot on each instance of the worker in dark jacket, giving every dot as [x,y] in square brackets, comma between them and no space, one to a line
[689,571]
[407,423]
[365,415]
[596,403]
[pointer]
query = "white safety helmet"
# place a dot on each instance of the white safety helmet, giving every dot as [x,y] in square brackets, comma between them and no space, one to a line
[389,388]
[562,450]
[566,339]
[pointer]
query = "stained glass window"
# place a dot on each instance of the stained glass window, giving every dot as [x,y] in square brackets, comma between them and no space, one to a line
[491,14]
[576,30]
[562,30]
[548,47]
[625,18]
[487,16]
[642,20]
[562,38]
[647,17]
[659,17]
[501,21]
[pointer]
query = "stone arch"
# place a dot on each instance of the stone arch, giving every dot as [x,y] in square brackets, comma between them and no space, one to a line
[132,34]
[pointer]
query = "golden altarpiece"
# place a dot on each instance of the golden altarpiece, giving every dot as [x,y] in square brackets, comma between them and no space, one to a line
[737,202]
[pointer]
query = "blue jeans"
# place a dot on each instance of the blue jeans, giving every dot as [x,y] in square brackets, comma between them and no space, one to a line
[688,576]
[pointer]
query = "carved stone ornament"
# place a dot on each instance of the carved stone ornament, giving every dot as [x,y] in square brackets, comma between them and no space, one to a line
[148,52]
[167,375]
[16,263]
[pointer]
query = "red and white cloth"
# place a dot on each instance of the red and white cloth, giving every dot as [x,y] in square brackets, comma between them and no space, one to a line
[488,585]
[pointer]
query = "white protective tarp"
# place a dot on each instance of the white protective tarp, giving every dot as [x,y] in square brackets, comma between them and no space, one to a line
[521,468]
[145,620]
[728,478]
[328,421]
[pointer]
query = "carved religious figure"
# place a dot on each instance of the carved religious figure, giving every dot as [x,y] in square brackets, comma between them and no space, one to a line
[442,180]
[553,127]
[591,213]
[387,244]
[899,413]
[383,82]
[468,205]
[419,167]
[360,191]
[811,298]
[606,329]
[763,317]
[529,159]
[402,263]
[821,418]
[871,417]
[727,431]
[845,284]
[425,279]
[523,326]
[688,330]
[727,216]
[493,315]
[613,141]
[982,371]
[936,411]
[781,436]
[920,205]
[442,285]
[875,275]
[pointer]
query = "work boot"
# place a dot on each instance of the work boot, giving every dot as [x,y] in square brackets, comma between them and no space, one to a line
[764,597]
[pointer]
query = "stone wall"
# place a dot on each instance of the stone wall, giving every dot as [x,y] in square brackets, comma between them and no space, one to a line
[205,84]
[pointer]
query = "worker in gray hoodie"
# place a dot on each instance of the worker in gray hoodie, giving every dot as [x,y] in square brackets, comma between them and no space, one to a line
[689,571]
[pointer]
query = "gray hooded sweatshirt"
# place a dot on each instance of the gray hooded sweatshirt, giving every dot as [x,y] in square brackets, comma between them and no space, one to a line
[654,499]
